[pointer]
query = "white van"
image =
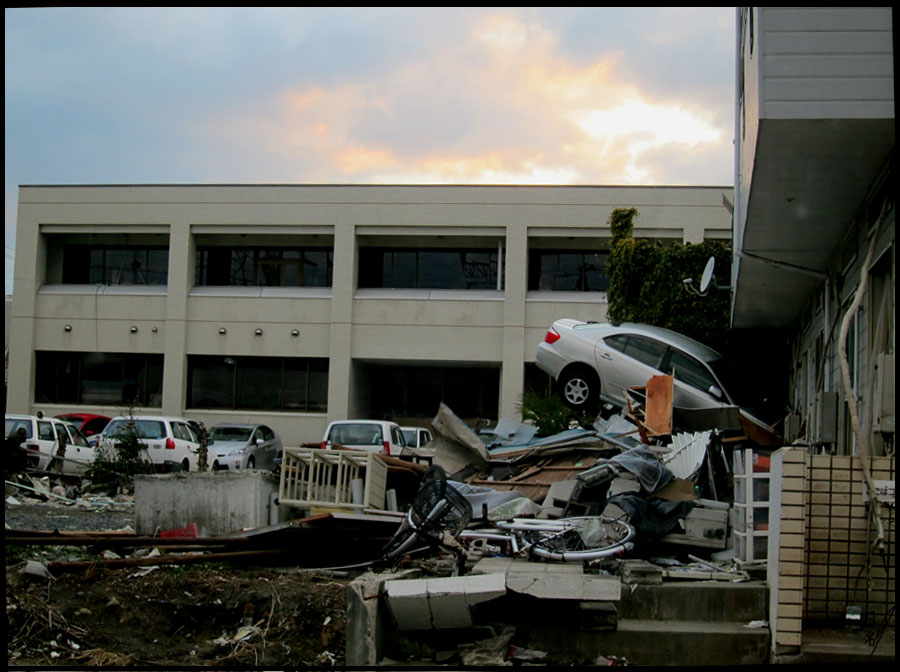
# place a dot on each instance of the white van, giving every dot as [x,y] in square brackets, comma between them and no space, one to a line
[41,442]
[379,436]
[170,443]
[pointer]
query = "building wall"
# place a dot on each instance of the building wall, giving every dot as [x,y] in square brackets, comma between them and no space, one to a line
[826,63]
[822,559]
[348,325]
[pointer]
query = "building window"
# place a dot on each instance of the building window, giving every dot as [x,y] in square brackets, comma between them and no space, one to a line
[264,266]
[567,271]
[258,383]
[115,265]
[438,268]
[101,378]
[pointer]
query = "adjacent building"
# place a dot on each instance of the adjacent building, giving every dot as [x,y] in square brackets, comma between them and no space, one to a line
[815,257]
[296,305]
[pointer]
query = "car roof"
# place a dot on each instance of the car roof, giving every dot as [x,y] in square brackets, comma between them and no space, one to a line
[83,416]
[242,425]
[689,345]
[166,418]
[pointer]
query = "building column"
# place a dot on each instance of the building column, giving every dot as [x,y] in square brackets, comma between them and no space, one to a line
[180,280]
[29,269]
[512,377]
[340,369]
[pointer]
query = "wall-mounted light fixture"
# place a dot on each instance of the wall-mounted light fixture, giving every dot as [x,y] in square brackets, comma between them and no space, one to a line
[222,331]
[133,329]
[155,329]
[68,327]
[258,332]
[295,332]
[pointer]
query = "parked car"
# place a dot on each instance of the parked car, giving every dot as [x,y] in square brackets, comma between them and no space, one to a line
[243,446]
[379,436]
[42,442]
[89,424]
[171,443]
[416,437]
[593,362]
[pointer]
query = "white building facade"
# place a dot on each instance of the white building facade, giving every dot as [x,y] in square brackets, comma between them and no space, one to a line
[296,305]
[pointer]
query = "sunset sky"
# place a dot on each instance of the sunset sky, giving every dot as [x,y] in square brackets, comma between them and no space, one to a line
[367,96]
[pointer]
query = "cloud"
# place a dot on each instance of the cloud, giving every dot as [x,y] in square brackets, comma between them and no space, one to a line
[501,104]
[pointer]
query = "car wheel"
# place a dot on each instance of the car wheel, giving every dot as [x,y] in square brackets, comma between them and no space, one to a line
[185,465]
[251,462]
[579,388]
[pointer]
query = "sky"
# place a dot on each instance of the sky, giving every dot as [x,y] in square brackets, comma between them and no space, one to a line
[353,95]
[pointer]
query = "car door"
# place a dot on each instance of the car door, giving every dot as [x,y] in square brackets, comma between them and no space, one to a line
[46,435]
[627,360]
[271,446]
[695,386]
[78,449]
[184,442]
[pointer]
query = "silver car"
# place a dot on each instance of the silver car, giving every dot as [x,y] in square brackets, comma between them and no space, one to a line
[594,361]
[243,446]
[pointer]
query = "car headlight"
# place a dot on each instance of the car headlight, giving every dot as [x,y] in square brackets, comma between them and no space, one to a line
[236,451]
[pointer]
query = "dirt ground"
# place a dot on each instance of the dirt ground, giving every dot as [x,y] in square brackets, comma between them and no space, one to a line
[198,615]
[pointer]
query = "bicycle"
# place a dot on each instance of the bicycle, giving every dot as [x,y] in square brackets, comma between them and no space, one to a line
[440,515]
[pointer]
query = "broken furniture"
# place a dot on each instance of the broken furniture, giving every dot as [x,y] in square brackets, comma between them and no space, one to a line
[316,478]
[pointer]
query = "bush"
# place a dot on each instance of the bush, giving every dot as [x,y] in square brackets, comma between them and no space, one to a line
[548,413]
[129,458]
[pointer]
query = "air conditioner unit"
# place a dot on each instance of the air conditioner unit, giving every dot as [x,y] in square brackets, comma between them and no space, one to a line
[826,416]
[883,401]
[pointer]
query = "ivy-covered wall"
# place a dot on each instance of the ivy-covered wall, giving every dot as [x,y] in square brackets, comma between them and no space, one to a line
[646,283]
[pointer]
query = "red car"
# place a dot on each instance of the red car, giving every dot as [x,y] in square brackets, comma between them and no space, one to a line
[88,423]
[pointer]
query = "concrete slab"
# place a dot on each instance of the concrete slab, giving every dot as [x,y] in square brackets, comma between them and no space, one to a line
[551,586]
[445,602]
[366,617]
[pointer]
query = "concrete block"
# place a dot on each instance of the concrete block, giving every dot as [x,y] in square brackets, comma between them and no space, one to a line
[218,502]
[641,572]
[408,602]
[447,603]
[484,587]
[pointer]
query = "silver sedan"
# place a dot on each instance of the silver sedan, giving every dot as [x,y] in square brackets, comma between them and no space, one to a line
[594,362]
[243,446]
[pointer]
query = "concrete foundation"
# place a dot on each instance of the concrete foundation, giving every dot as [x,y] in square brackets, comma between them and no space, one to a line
[218,502]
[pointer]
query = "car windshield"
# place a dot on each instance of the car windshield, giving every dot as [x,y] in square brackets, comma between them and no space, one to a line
[358,433]
[13,424]
[145,429]
[410,436]
[230,433]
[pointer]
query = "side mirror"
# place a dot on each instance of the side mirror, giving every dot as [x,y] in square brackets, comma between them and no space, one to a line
[715,391]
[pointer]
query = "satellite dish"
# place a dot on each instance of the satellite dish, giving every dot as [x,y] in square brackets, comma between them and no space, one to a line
[707,276]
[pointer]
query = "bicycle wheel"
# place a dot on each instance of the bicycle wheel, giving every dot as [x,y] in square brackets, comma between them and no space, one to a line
[583,538]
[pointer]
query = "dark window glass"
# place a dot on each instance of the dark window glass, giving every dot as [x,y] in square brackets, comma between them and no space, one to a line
[98,378]
[688,370]
[115,265]
[428,268]
[264,383]
[617,342]
[645,350]
[567,271]
[264,267]
[417,392]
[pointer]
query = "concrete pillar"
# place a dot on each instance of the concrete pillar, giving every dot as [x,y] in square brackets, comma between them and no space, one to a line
[180,280]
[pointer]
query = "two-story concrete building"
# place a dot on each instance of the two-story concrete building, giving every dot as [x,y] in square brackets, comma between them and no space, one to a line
[295,305]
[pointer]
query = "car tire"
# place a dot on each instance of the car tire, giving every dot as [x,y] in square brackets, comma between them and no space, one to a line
[251,462]
[185,465]
[579,388]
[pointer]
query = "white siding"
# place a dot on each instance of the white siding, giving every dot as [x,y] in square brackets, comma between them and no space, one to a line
[820,63]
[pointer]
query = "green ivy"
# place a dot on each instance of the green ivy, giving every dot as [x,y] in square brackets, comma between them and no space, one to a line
[646,283]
